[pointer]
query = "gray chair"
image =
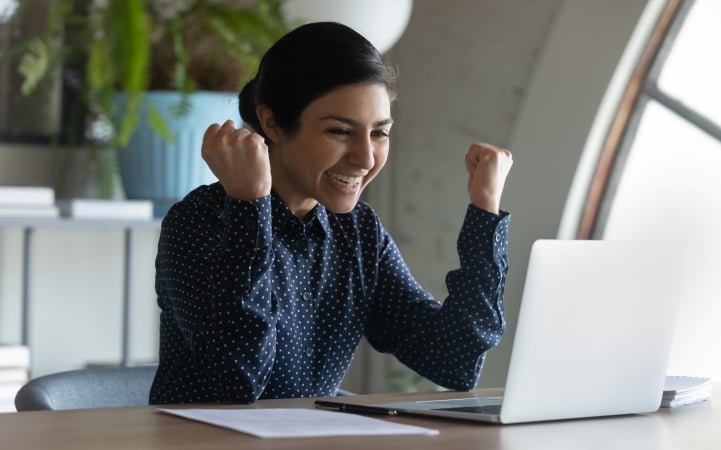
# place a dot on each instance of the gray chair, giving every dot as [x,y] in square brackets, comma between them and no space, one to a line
[87,388]
[91,388]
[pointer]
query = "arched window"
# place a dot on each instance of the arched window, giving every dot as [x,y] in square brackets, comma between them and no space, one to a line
[659,174]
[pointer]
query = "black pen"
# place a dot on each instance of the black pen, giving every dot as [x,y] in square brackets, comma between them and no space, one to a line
[357,409]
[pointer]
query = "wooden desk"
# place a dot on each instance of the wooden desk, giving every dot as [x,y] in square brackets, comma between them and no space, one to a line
[695,427]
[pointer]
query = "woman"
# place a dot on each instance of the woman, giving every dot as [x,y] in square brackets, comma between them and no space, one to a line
[268,279]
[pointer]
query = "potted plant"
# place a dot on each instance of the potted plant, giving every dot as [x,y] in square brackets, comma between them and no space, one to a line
[117,57]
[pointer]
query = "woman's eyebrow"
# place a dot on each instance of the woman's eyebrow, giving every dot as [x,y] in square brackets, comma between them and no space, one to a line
[355,123]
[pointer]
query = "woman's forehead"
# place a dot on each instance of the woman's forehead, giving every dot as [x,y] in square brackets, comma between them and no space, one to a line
[367,102]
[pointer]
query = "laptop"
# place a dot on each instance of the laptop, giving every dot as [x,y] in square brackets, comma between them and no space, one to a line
[593,336]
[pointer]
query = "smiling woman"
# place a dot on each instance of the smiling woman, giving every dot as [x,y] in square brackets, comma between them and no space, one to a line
[268,279]
[341,144]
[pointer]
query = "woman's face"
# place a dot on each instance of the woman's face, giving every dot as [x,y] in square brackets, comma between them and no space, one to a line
[340,146]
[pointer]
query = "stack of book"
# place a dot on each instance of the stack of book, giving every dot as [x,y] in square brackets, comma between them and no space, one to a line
[680,391]
[25,202]
[14,370]
[96,209]
[32,202]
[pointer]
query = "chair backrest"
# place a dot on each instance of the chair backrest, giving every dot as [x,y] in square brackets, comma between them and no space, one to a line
[87,388]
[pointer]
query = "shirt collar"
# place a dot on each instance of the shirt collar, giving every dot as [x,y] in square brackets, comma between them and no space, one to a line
[283,217]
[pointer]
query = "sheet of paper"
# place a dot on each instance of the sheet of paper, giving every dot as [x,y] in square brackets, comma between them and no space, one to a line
[296,422]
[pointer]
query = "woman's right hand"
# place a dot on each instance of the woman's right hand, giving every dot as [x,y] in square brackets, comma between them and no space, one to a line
[240,160]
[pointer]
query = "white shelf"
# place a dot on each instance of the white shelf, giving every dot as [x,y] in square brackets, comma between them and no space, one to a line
[29,226]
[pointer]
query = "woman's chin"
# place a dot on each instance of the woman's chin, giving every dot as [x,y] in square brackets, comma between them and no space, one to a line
[340,206]
[340,199]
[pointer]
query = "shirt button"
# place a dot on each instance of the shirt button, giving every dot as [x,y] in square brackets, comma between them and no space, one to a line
[309,351]
[300,244]
[497,237]
[307,296]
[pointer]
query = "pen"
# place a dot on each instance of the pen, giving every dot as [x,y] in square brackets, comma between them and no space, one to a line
[358,409]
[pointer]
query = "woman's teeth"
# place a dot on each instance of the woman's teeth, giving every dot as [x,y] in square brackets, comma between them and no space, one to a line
[345,178]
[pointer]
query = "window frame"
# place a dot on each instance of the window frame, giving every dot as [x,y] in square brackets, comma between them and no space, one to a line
[619,140]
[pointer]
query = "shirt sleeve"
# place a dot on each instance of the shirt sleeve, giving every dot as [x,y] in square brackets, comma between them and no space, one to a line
[445,342]
[213,279]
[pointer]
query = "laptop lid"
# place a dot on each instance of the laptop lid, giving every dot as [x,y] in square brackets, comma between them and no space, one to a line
[593,336]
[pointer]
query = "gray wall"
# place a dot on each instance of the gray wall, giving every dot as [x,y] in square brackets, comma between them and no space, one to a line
[528,75]
[525,74]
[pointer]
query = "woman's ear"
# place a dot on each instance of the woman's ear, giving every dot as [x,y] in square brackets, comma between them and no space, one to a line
[268,123]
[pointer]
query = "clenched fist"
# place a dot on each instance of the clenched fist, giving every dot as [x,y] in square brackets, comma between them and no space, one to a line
[488,167]
[240,160]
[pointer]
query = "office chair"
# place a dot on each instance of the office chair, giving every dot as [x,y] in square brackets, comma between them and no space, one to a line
[91,388]
[87,388]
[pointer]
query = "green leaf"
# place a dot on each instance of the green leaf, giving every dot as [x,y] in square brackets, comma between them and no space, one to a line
[158,123]
[127,36]
[180,80]
[183,107]
[33,65]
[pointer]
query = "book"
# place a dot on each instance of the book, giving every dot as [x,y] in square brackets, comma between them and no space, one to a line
[8,391]
[7,405]
[85,208]
[28,212]
[27,195]
[14,356]
[680,390]
[13,375]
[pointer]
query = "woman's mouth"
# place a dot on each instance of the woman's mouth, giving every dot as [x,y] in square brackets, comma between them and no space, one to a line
[345,180]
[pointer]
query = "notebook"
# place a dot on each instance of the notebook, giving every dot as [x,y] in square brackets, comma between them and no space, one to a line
[593,336]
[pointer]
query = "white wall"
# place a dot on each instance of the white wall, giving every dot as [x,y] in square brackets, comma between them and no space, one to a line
[575,69]
[526,75]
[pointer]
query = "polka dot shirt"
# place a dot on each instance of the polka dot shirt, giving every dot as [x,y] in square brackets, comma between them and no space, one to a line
[256,303]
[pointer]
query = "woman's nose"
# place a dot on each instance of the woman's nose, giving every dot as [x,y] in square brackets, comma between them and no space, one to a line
[361,155]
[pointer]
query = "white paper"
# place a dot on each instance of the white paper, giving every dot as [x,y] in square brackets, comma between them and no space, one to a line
[296,422]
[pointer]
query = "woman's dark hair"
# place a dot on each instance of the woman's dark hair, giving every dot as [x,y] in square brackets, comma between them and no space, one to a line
[304,65]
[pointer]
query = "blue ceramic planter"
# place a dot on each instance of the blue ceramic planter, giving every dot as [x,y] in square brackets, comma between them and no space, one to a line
[164,172]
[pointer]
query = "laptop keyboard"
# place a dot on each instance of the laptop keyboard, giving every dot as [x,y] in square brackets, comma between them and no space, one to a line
[478,409]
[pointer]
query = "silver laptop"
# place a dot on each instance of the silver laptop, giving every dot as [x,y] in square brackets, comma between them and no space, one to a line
[593,337]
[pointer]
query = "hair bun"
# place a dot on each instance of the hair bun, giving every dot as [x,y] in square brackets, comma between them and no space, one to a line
[247,103]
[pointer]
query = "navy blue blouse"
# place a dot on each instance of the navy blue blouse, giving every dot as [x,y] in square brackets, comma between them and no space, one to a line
[255,303]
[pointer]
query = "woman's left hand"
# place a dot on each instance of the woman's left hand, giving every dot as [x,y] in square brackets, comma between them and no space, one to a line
[488,167]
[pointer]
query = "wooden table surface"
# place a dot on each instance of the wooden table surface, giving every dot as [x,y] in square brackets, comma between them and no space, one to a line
[689,427]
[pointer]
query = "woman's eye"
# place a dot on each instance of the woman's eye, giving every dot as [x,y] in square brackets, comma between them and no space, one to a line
[348,132]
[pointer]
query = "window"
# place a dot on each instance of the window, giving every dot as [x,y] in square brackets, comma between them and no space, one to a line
[660,175]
